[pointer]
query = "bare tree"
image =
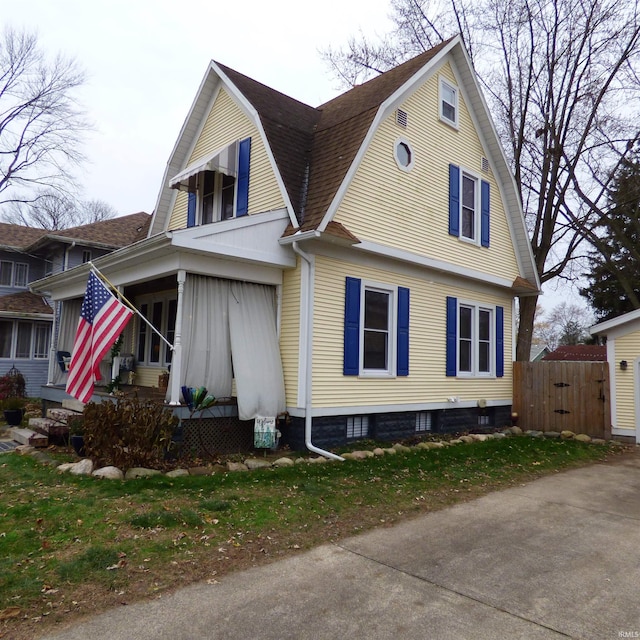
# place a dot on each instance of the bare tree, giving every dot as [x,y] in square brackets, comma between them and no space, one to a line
[41,124]
[565,324]
[52,211]
[561,79]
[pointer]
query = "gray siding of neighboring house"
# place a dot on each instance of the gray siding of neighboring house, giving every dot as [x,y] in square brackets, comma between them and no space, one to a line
[34,372]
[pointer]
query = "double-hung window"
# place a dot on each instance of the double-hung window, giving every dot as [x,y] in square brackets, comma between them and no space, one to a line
[6,273]
[469,206]
[475,339]
[14,274]
[448,103]
[217,185]
[376,329]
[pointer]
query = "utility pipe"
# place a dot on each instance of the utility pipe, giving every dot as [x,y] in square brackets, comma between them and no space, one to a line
[307,377]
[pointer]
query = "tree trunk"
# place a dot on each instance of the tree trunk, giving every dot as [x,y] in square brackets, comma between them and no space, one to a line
[527,307]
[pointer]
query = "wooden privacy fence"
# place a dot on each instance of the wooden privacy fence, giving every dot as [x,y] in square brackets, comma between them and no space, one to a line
[558,396]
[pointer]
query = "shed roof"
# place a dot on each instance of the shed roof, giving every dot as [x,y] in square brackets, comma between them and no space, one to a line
[579,353]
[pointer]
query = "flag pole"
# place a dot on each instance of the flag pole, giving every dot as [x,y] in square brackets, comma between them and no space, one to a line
[129,303]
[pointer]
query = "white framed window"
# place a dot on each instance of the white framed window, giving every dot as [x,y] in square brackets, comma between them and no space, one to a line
[357,427]
[448,103]
[403,154]
[150,348]
[6,273]
[21,275]
[377,329]
[469,207]
[24,340]
[476,340]
[423,421]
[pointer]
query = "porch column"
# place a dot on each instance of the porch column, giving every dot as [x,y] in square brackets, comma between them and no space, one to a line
[176,358]
[53,345]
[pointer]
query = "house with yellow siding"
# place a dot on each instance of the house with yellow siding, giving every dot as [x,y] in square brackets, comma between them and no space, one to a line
[349,268]
[622,335]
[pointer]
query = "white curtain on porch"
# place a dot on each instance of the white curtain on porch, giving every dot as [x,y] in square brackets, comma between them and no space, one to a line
[206,350]
[256,354]
[225,321]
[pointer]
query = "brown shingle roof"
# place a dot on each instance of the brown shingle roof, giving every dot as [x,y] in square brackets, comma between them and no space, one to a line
[16,236]
[115,232]
[579,353]
[24,302]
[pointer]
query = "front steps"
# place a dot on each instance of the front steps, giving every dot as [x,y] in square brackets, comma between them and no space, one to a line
[54,427]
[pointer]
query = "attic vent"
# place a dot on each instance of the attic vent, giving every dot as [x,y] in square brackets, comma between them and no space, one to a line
[485,165]
[402,118]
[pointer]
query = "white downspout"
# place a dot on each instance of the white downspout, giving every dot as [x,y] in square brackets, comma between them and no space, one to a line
[308,369]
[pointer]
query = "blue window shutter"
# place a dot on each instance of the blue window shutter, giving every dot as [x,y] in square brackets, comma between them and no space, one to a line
[403,332]
[352,327]
[452,337]
[484,213]
[454,200]
[191,210]
[499,342]
[244,153]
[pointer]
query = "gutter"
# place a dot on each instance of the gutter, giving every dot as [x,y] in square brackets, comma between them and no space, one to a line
[308,316]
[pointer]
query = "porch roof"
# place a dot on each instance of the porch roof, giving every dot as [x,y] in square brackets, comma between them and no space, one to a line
[236,249]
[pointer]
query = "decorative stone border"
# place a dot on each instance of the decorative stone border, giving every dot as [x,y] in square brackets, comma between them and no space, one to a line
[86,467]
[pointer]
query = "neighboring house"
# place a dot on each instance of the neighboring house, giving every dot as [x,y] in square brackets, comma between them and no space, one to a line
[538,352]
[28,254]
[622,347]
[578,353]
[354,265]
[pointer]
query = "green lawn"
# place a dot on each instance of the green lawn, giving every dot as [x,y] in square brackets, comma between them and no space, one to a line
[71,545]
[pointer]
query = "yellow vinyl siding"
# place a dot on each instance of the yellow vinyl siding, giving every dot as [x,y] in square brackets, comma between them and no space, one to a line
[147,376]
[225,123]
[427,381]
[410,210]
[290,333]
[626,348]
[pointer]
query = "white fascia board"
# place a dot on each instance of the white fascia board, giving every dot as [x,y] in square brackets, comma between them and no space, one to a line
[431,263]
[499,163]
[383,111]
[182,149]
[318,412]
[252,114]
[617,325]
[48,317]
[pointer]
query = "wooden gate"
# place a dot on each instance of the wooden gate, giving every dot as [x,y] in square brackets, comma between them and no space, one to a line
[558,396]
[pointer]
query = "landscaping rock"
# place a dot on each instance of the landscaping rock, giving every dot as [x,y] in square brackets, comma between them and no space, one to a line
[390,451]
[237,466]
[598,441]
[110,473]
[467,439]
[400,448]
[515,431]
[283,462]
[456,441]
[479,437]
[82,468]
[359,455]
[567,435]
[378,451]
[178,473]
[255,463]
[44,458]
[583,437]
[552,434]
[499,435]
[199,471]
[532,433]
[319,460]
[140,472]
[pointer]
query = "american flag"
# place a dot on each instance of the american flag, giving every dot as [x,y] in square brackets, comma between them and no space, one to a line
[102,319]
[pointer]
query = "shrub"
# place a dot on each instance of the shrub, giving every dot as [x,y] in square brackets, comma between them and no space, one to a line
[130,433]
[13,385]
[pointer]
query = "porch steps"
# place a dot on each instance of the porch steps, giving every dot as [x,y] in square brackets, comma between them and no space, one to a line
[73,405]
[56,424]
[27,436]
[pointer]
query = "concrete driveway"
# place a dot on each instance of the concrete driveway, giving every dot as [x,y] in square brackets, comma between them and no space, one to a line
[555,558]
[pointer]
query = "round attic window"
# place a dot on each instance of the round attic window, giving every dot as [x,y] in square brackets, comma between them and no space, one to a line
[403,154]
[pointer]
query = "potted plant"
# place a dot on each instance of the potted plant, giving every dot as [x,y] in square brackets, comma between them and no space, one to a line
[76,435]
[13,396]
[13,410]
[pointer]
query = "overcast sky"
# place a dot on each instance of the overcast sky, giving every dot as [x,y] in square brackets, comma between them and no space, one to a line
[145,60]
